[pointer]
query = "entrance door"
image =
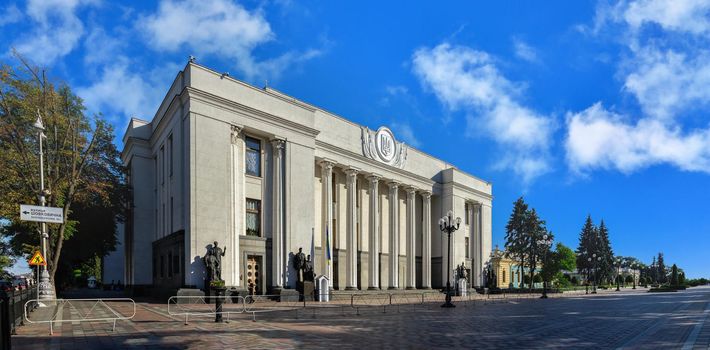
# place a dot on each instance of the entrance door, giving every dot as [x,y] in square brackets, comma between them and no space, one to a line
[254,274]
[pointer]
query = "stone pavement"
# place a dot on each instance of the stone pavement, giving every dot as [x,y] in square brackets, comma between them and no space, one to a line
[609,320]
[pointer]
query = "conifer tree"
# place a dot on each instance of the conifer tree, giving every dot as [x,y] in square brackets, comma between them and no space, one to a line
[536,230]
[674,276]
[605,267]
[516,235]
[661,268]
[586,247]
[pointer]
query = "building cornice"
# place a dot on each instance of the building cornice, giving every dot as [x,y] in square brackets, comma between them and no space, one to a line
[221,102]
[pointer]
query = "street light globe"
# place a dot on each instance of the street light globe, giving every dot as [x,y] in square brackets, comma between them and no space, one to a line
[450,213]
[458,221]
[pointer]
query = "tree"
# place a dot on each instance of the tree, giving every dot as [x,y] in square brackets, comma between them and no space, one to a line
[586,247]
[605,267]
[562,258]
[536,231]
[661,269]
[674,276]
[82,165]
[629,279]
[516,233]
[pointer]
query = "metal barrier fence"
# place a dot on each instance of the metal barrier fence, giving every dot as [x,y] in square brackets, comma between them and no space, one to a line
[79,310]
[355,304]
[11,313]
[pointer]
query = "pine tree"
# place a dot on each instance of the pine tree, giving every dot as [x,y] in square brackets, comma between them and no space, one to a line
[516,235]
[536,230]
[605,267]
[653,271]
[586,247]
[674,276]
[661,267]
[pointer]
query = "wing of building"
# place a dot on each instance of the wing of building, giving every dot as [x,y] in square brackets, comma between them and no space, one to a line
[264,174]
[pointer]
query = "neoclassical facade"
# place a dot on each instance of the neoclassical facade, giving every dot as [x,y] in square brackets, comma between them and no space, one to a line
[264,174]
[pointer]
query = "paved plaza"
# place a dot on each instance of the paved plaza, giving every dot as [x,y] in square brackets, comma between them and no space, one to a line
[627,319]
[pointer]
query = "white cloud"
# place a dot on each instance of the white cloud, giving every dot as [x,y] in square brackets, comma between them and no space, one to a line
[463,78]
[123,90]
[11,14]
[405,133]
[56,30]
[667,70]
[599,138]
[666,82]
[525,51]
[221,28]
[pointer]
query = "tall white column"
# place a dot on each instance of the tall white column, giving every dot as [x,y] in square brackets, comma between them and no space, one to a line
[373,274]
[327,235]
[394,234]
[411,240]
[238,201]
[476,235]
[485,239]
[426,239]
[351,266]
[277,240]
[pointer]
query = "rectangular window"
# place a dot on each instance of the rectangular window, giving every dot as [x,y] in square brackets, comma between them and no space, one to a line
[253,217]
[170,154]
[466,213]
[170,266]
[172,210]
[162,165]
[162,266]
[176,264]
[253,156]
[466,243]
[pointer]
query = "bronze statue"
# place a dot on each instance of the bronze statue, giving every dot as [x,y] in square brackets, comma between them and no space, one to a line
[213,263]
[308,270]
[299,263]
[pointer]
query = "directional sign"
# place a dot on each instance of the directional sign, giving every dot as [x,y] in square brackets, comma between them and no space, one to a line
[41,214]
[37,260]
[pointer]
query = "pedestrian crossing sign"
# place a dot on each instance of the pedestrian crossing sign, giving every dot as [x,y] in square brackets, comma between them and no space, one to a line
[38,260]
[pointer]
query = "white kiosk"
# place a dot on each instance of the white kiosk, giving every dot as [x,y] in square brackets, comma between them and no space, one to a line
[322,284]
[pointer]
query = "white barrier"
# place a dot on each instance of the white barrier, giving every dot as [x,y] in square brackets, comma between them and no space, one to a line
[85,309]
[204,306]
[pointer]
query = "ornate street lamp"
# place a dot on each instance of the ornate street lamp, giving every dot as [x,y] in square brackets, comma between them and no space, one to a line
[619,261]
[44,287]
[546,243]
[448,225]
[594,259]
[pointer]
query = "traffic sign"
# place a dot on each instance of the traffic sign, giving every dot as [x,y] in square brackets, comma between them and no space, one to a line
[41,214]
[38,260]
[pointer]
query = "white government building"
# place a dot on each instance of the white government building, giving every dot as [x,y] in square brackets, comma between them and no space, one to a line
[265,174]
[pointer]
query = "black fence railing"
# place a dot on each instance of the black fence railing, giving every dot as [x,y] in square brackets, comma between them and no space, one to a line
[12,306]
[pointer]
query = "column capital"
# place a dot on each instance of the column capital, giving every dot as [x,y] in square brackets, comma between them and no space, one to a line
[411,190]
[326,164]
[374,178]
[278,143]
[393,185]
[351,171]
[426,194]
[236,133]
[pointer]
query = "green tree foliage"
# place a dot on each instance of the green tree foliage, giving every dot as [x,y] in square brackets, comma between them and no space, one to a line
[661,269]
[83,171]
[586,247]
[629,279]
[537,231]
[605,267]
[517,234]
[674,276]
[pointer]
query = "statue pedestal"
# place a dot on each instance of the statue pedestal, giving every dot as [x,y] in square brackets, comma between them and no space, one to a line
[218,292]
[307,290]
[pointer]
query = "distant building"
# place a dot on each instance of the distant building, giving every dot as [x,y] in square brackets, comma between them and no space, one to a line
[507,271]
[265,174]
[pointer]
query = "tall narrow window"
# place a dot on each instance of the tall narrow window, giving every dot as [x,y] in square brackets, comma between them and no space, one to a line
[466,213]
[170,154]
[466,243]
[172,210]
[170,265]
[162,266]
[253,156]
[162,165]
[253,217]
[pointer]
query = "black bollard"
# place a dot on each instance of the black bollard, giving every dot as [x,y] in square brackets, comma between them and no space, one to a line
[218,301]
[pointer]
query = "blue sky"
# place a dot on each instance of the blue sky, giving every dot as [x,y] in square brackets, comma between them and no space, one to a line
[583,107]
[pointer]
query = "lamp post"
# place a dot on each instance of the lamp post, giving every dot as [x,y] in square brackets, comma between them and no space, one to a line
[594,259]
[633,274]
[546,243]
[44,288]
[618,273]
[448,225]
